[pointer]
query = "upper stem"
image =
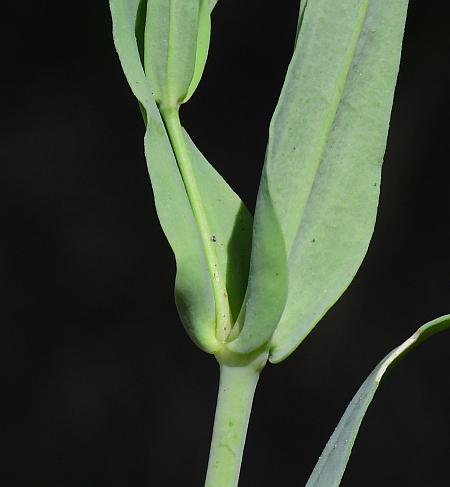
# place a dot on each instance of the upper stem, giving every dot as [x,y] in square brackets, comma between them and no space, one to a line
[178,140]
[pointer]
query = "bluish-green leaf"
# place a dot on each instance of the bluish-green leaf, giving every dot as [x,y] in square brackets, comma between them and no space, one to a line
[170,48]
[193,286]
[193,290]
[212,4]
[331,465]
[267,283]
[326,145]
[300,17]
[203,38]
[231,227]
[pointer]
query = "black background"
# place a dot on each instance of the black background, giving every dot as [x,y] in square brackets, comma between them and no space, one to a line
[101,386]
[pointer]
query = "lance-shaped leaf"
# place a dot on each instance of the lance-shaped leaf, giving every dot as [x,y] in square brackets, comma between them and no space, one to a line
[203,38]
[231,227]
[326,145]
[267,283]
[331,465]
[193,289]
[170,48]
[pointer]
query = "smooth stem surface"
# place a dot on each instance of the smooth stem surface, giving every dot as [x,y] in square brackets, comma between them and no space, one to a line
[234,404]
[178,141]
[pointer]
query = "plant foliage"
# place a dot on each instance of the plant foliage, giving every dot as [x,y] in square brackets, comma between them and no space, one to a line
[251,289]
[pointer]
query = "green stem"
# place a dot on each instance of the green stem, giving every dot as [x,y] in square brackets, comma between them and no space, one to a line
[234,405]
[178,140]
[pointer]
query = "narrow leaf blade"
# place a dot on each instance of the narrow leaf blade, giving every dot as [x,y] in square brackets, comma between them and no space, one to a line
[203,39]
[193,288]
[332,463]
[268,277]
[170,48]
[326,145]
[231,227]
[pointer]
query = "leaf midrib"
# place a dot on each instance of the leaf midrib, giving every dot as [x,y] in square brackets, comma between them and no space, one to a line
[170,118]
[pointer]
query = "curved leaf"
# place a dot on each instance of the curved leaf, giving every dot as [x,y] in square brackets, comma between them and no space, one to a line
[267,282]
[193,288]
[170,46]
[326,145]
[331,465]
[230,224]
[203,38]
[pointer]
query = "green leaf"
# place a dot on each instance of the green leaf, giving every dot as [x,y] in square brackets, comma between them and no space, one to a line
[302,8]
[231,227]
[170,48]
[212,4]
[300,17]
[267,283]
[331,465]
[203,38]
[326,144]
[193,289]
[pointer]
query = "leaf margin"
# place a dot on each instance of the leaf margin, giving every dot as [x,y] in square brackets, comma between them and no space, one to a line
[322,474]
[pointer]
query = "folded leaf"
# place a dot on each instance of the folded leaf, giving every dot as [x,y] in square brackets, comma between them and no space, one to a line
[231,227]
[300,17]
[193,288]
[267,283]
[331,465]
[170,46]
[326,145]
[203,38]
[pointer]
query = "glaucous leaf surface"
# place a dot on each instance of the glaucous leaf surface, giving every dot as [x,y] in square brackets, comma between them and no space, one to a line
[230,224]
[326,145]
[203,38]
[193,288]
[212,4]
[332,463]
[267,282]
[170,48]
[300,17]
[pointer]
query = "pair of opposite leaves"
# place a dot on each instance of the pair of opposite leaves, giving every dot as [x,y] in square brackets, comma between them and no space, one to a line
[319,189]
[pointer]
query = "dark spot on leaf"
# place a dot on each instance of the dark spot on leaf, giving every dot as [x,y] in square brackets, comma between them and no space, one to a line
[313,240]
[213,238]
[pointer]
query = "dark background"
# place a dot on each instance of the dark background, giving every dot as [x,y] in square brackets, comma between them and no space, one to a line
[101,386]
